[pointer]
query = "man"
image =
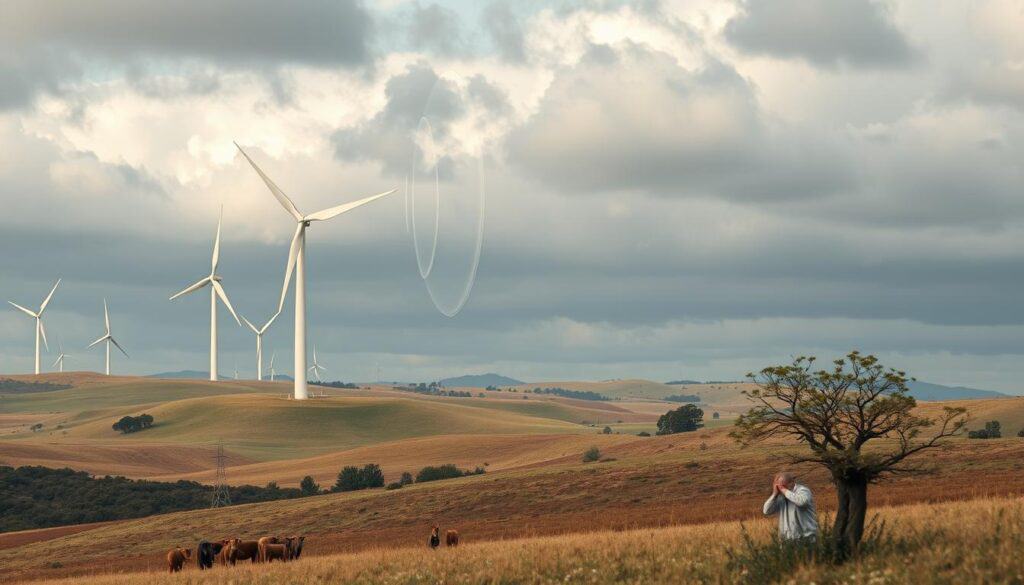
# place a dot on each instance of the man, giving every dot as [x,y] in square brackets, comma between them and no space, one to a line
[795,506]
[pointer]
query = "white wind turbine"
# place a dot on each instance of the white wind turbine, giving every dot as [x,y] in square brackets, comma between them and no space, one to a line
[272,372]
[59,362]
[315,368]
[297,262]
[108,337]
[38,316]
[259,341]
[216,290]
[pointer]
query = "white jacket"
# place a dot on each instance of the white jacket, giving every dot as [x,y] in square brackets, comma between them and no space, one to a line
[795,507]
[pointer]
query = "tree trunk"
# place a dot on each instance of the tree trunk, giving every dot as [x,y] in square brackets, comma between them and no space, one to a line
[848,530]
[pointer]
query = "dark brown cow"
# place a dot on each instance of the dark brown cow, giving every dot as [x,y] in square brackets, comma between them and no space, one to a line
[240,550]
[176,558]
[277,552]
[262,546]
[451,537]
[435,537]
[295,545]
[206,552]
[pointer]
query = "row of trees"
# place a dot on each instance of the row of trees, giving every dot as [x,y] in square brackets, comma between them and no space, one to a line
[131,424]
[352,478]
[686,418]
[683,398]
[577,394]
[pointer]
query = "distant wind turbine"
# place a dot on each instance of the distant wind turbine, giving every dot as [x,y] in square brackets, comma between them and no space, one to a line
[236,370]
[315,368]
[59,362]
[272,372]
[259,341]
[108,337]
[297,262]
[216,290]
[38,316]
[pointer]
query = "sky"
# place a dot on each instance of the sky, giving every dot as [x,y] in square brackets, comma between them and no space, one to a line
[672,189]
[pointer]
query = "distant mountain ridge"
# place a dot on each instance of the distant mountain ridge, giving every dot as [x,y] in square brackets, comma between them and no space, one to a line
[931,392]
[682,382]
[479,381]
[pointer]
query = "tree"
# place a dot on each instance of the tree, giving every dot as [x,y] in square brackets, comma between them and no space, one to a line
[591,454]
[145,421]
[606,431]
[1020,433]
[308,486]
[716,416]
[349,479]
[835,413]
[684,419]
[372,476]
[406,478]
[992,430]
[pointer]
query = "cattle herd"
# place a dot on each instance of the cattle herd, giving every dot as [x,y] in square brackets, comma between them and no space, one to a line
[265,550]
[231,550]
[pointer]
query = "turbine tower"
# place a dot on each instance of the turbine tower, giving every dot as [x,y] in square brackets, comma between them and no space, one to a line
[259,342]
[38,316]
[272,372]
[297,262]
[315,368]
[108,337]
[59,362]
[216,290]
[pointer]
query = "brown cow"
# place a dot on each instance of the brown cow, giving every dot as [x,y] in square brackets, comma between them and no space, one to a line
[176,557]
[435,537]
[278,552]
[262,546]
[240,550]
[451,537]
[295,546]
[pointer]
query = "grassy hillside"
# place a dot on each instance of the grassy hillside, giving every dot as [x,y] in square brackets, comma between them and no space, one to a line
[931,544]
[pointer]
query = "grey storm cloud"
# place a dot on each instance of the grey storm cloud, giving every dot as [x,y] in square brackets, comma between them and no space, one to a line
[633,119]
[23,73]
[505,31]
[823,32]
[436,29]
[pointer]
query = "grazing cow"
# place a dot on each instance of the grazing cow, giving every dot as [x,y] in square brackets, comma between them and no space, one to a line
[222,556]
[262,546]
[176,557]
[451,537]
[277,552]
[435,537]
[206,552]
[240,550]
[295,545]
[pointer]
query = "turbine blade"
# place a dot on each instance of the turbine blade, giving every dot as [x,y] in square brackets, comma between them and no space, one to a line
[267,326]
[339,209]
[104,338]
[192,288]
[42,330]
[251,326]
[57,361]
[106,316]
[114,341]
[224,298]
[278,193]
[48,297]
[23,309]
[293,253]
[216,244]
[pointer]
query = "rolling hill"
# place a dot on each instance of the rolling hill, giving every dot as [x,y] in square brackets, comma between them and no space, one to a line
[479,381]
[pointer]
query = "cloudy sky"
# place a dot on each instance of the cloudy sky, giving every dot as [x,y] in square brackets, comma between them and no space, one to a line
[673,189]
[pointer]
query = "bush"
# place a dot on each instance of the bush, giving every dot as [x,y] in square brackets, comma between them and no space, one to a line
[1020,433]
[991,431]
[606,431]
[643,434]
[716,416]
[446,471]
[406,478]
[352,478]
[591,454]
[308,486]
[131,424]
[394,485]
[684,419]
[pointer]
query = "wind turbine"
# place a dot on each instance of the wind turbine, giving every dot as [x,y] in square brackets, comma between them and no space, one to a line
[272,372]
[38,316]
[108,337]
[315,368]
[60,358]
[297,262]
[236,369]
[259,342]
[216,290]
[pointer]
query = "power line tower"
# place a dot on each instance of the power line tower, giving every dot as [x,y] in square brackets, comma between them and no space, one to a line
[221,496]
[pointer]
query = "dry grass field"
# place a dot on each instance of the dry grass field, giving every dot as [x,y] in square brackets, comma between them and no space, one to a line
[960,542]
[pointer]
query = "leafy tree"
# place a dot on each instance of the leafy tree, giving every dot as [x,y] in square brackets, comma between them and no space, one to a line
[606,431]
[716,416]
[372,476]
[308,486]
[992,430]
[834,413]
[592,454]
[446,471]
[1020,433]
[684,419]
[145,421]
[406,478]
[349,479]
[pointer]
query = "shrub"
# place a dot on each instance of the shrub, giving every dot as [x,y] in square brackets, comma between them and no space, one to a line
[643,434]
[352,478]
[606,431]
[446,471]
[1020,433]
[308,486]
[406,478]
[131,424]
[715,416]
[991,431]
[591,454]
[394,485]
[684,419]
